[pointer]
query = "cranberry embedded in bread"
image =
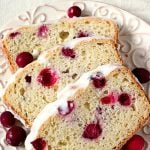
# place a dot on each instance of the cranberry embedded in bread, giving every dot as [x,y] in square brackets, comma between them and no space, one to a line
[124,99]
[70,108]
[47,77]
[68,52]
[99,81]
[14,34]
[39,144]
[110,99]
[43,31]
[92,131]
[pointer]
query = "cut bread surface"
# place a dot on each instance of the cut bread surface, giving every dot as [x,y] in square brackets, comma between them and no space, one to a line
[41,37]
[93,118]
[38,83]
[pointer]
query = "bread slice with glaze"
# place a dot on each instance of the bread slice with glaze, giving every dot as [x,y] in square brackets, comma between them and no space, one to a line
[37,38]
[38,83]
[92,114]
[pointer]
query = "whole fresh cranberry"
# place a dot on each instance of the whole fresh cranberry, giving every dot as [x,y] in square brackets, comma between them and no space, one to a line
[39,144]
[7,119]
[135,143]
[74,11]
[15,136]
[142,74]
[24,59]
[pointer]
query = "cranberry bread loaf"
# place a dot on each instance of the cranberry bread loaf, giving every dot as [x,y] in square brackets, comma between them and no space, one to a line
[38,83]
[100,111]
[34,39]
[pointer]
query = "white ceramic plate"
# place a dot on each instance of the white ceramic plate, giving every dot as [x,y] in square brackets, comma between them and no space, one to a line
[134,36]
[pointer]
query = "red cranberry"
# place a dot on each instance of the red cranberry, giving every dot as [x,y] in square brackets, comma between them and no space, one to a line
[43,31]
[92,131]
[99,82]
[74,11]
[135,143]
[124,99]
[23,59]
[63,111]
[47,77]
[15,136]
[14,34]
[39,144]
[82,34]
[142,74]
[28,78]
[68,52]
[7,119]
[99,110]
[108,99]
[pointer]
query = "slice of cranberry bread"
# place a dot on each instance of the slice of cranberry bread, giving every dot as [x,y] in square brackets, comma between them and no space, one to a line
[100,111]
[38,83]
[34,39]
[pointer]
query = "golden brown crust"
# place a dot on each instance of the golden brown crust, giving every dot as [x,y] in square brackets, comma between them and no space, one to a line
[116,32]
[11,60]
[8,56]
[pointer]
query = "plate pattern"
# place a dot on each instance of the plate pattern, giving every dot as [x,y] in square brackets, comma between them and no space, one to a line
[134,40]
